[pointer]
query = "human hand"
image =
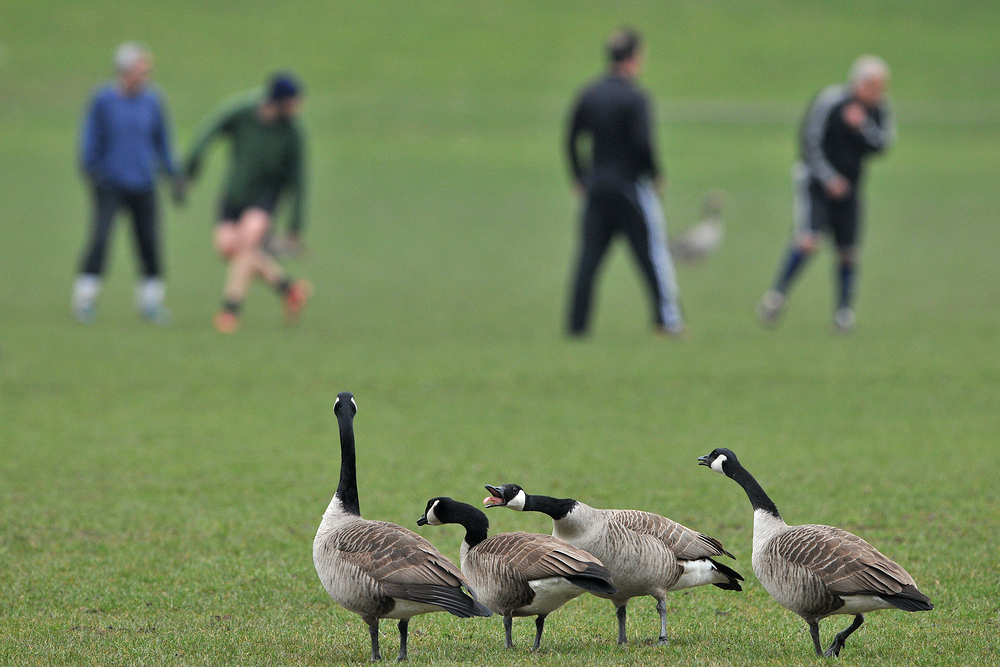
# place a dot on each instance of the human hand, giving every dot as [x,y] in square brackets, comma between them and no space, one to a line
[855,115]
[837,187]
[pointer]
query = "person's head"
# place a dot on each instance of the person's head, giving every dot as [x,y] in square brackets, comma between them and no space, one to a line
[625,51]
[133,64]
[868,79]
[283,96]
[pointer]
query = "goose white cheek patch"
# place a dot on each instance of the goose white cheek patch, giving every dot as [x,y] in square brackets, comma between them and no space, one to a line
[717,463]
[517,502]
[431,516]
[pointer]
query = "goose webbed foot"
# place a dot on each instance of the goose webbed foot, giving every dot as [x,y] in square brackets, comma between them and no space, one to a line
[507,622]
[841,638]
[404,626]
[539,627]
[620,612]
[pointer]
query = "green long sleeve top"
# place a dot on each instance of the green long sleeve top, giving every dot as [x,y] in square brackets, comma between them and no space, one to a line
[267,158]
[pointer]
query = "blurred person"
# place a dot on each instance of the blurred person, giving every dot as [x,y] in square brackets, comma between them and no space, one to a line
[844,125]
[267,160]
[619,184]
[125,140]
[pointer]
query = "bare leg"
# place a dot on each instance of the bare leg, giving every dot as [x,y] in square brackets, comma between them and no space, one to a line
[373,631]
[622,638]
[661,608]
[239,244]
[404,626]
[508,641]
[814,632]
[539,626]
[841,638]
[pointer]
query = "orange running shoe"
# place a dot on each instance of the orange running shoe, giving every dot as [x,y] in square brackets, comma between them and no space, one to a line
[295,300]
[226,322]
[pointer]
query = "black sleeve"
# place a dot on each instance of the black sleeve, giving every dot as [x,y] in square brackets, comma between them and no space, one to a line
[642,138]
[575,128]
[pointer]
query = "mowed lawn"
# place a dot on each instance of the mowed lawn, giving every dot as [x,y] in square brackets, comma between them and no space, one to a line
[160,487]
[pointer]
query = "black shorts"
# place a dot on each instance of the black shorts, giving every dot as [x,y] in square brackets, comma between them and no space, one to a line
[230,212]
[816,212]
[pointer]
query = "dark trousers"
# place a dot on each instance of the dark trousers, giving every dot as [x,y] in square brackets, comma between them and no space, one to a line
[630,211]
[142,207]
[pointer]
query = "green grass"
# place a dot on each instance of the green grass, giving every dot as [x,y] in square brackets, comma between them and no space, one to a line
[159,488]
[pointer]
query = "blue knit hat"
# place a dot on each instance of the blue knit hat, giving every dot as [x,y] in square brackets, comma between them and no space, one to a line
[283,86]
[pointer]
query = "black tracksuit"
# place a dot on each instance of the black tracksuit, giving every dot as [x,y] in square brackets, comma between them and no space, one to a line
[615,114]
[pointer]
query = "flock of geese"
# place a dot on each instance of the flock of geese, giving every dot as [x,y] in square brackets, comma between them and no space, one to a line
[380,570]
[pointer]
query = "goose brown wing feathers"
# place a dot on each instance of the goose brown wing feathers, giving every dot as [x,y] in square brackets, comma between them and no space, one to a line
[686,544]
[845,563]
[537,556]
[392,554]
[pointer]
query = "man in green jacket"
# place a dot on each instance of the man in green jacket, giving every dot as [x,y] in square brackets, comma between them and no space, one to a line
[267,161]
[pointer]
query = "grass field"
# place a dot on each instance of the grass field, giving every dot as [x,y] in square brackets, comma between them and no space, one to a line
[160,487]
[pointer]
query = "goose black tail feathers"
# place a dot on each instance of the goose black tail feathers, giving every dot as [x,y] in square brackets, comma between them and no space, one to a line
[734,577]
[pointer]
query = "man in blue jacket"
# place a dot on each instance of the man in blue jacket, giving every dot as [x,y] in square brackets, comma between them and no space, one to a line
[125,142]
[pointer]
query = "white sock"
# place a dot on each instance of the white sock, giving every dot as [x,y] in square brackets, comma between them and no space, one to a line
[149,294]
[85,290]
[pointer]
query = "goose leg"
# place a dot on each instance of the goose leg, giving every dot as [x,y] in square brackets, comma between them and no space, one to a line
[373,631]
[814,631]
[404,626]
[539,626]
[507,621]
[841,638]
[661,608]
[622,638]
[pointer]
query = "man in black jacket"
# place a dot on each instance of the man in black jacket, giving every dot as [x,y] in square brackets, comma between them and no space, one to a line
[845,124]
[620,185]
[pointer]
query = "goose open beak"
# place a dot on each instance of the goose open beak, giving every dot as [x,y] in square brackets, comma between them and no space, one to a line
[495,499]
[703,460]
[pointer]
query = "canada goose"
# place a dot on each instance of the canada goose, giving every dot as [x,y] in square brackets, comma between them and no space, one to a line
[519,574]
[646,553]
[378,569]
[818,571]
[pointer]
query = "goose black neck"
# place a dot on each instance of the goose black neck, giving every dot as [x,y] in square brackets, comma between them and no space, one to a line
[347,490]
[759,499]
[474,520]
[557,508]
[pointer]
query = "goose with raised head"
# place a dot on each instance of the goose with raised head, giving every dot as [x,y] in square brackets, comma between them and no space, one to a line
[519,574]
[647,554]
[817,571]
[377,569]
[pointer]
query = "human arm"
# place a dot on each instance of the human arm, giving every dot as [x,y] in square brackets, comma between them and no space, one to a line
[878,129]
[814,129]
[161,138]
[295,181]
[93,139]
[574,130]
[220,121]
[642,141]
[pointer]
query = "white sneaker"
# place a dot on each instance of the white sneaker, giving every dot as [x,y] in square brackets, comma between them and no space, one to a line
[844,319]
[770,307]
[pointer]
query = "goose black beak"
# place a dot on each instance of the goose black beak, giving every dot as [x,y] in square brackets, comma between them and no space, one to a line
[495,499]
[422,521]
[703,460]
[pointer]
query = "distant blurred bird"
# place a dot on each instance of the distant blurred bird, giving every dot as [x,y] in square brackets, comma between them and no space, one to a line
[703,237]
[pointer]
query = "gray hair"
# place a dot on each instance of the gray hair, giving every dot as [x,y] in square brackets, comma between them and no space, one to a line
[868,67]
[128,54]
